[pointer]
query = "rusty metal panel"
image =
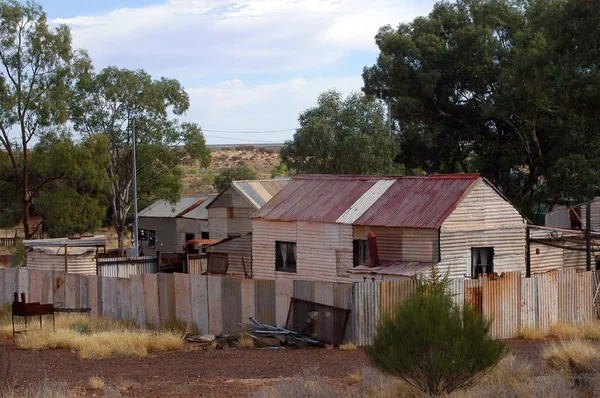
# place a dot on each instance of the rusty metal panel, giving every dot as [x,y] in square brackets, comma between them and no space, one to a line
[304,290]
[324,293]
[394,293]
[284,290]
[502,304]
[71,291]
[35,286]
[124,299]
[567,295]
[365,306]
[231,292]
[199,302]
[474,294]
[265,301]
[585,297]
[151,300]
[547,299]
[166,298]
[215,305]
[109,296]
[11,284]
[183,311]
[58,288]
[342,297]
[138,313]
[248,299]
[529,303]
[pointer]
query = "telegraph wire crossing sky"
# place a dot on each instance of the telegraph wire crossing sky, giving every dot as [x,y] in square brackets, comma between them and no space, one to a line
[250,67]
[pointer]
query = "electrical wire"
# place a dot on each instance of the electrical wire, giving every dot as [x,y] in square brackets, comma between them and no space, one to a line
[242,140]
[248,132]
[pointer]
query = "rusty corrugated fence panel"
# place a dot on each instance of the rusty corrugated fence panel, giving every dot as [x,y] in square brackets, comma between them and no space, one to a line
[231,291]
[473,294]
[567,295]
[151,299]
[166,298]
[365,306]
[501,304]
[547,299]
[284,290]
[529,303]
[215,305]
[71,290]
[138,313]
[183,312]
[248,292]
[199,302]
[324,293]
[265,301]
[35,286]
[109,293]
[585,297]
[392,294]
[342,297]
[123,299]
[457,291]
[304,290]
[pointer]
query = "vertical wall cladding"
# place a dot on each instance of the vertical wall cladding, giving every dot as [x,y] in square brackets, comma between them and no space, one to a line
[474,294]
[23,282]
[529,303]
[123,298]
[457,290]
[304,290]
[232,304]
[584,306]
[548,299]
[199,302]
[109,295]
[215,305]
[166,297]
[266,301]
[248,297]
[394,293]
[567,296]
[501,302]
[71,290]
[365,306]
[284,290]
[239,254]
[595,216]
[217,222]
[151,300]
[183,311]
[11,284]
[35,286]
[138,313]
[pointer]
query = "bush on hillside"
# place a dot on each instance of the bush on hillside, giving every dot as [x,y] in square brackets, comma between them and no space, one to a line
[226,176]
[432,344]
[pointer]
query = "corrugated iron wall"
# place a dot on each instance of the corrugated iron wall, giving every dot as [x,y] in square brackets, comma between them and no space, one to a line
[217,305]
[124,267]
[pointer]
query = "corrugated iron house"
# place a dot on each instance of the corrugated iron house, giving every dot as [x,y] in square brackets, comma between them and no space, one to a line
[76,256]
[574,216]
[317,228]
[166,227]
[229,217]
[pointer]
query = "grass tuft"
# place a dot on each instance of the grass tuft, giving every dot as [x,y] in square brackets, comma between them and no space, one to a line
[245,341]
[570,331]
[530,333]
[572,355]
[347,347]
[96,383]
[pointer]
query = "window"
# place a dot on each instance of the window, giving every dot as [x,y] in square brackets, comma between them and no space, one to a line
[189,237]
[204,235]
[285,256]
[482,261]
[361,252]
[230,213]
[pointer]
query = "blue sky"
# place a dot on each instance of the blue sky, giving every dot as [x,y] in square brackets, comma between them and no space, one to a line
[248,65]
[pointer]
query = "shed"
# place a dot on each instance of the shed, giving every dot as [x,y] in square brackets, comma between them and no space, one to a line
[165,227]
[316,228]
[77,256]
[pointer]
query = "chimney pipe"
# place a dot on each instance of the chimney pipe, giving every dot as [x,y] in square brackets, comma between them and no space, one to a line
[373,252]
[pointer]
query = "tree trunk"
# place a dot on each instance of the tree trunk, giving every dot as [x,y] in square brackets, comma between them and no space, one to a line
[120,231]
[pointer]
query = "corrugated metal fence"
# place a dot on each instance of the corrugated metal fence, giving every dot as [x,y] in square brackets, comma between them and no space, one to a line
[124,267]
[217,305]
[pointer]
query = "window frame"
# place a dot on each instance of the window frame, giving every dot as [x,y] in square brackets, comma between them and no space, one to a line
[280,266]
[489,267]
[356,260]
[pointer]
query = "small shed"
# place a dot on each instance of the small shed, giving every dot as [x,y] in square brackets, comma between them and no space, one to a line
[76,256]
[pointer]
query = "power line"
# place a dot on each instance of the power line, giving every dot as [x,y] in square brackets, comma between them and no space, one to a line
[248,132]
[243,140]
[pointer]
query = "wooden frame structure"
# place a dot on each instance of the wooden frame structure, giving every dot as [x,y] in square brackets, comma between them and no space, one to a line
[25,309]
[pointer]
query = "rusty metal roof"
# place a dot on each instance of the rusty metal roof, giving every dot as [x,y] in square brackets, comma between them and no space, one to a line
[408,202]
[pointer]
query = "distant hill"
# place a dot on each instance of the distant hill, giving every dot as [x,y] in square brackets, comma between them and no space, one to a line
[263,157]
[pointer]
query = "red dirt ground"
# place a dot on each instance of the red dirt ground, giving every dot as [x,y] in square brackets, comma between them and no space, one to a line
[193,372]
[196,372]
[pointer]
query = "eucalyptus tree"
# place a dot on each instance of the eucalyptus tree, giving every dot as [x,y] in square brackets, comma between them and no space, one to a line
[111,103]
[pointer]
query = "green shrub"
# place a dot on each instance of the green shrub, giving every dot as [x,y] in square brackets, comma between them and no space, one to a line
[19,256]
[432,344]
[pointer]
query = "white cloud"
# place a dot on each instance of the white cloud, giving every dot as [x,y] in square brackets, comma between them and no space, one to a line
[240,36]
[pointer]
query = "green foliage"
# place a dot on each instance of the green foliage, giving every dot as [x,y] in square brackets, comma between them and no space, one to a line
[38,67]
[282,170]
[433,344]
[341,136]
[19,256]
[226,176]
[109,103]
[506,88]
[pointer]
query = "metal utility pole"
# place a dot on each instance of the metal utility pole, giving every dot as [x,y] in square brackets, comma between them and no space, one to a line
[134,172]
[588,236]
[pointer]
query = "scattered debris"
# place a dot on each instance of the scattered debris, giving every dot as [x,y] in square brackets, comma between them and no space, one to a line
[277,337]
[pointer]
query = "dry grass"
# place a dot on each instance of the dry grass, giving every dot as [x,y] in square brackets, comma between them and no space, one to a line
[347,347]
[572,355]
[529,333]
[245,341]
[43,389]
[96,383]
[563,330]
[308,384]
[96,337]
[354,378]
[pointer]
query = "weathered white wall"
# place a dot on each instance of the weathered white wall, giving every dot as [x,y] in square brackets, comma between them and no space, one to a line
[595,216]
[558,218]
[170,233]
[220,225]
[239,254]
[483,219]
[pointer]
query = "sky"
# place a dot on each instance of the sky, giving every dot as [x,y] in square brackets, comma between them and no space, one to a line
[247,65]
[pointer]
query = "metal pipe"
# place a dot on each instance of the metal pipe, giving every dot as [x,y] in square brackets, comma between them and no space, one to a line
[528,253]
[134,172]
[588,236]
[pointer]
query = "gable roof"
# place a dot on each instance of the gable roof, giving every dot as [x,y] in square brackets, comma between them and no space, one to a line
[189,206]
[256,192]
[408,202]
